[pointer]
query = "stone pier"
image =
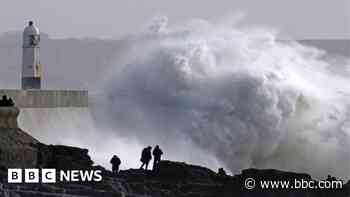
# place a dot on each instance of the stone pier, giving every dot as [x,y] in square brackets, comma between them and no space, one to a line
[48,98]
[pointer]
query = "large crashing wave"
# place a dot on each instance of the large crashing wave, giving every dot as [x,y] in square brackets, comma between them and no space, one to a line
[235,94]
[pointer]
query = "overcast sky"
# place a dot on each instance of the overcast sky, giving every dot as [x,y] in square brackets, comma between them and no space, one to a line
[112,18]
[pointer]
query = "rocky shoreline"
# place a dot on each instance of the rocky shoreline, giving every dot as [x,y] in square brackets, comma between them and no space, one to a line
[174,179]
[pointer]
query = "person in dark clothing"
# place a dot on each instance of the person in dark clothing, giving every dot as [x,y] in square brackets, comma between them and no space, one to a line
[115,161]
[157,154]
[146,157]
[221,172]
[5,102]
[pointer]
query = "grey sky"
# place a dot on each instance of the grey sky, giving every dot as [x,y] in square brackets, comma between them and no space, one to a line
[112,18]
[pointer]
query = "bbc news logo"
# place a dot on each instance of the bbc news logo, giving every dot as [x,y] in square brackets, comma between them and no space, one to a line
[34,175]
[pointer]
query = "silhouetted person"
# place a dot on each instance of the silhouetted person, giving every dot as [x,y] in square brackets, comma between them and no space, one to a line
[146,157]
[5,102]
[221,172]
[115,161]
[157,154]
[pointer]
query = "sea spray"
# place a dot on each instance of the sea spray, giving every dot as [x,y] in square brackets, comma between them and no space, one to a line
[233,96]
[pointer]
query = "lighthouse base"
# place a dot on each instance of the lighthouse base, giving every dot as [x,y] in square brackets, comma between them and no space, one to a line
[31,83]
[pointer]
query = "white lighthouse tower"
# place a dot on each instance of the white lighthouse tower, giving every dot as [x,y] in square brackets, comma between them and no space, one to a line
[31,96]
[31,68]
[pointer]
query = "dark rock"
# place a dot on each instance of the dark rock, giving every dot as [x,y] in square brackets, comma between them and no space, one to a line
[271,174]
[183,172]
[8,117]
[172,179]
[16,146]
[65,157]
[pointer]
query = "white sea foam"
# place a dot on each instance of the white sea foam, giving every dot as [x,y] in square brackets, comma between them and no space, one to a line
[234,96]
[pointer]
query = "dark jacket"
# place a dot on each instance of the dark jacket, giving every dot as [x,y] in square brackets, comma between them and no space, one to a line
[146,155]
[157,152]
[115,161]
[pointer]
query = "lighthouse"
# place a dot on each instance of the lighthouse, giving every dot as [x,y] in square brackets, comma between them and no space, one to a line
[31,68]
[31,95]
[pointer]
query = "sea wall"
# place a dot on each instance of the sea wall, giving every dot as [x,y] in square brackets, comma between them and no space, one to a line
[48,98]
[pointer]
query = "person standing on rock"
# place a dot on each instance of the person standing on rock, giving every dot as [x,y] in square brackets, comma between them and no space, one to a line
[221,172]
[157,154]
[115,161]
[4,102]
[146,157]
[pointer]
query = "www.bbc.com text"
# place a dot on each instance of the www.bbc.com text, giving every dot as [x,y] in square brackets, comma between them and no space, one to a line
[251,184]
